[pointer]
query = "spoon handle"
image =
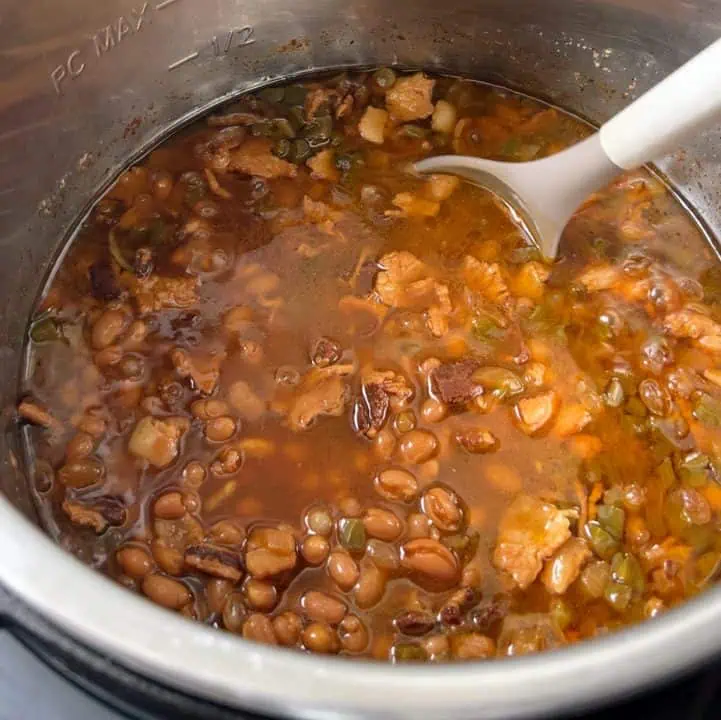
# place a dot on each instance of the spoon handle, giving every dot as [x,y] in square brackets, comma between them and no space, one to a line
[657,123]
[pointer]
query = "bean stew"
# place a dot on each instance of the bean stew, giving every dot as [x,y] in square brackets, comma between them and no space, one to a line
[285,387]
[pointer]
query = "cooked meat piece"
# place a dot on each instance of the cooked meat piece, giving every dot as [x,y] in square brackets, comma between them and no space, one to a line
[529,533]
[691,324]
[526,634]
[372,125]
[269,552]
[441,187]
[410,205]
[157,440]
[255,157]
[157,292]
[215,561]
[486,279]
[202,369]
[477,440]
[317,98]
[453,381]
[327,396]
[410,98]
[565,566]
[381,390]
[398,270]
[535,413]
[245,401]
[98,516]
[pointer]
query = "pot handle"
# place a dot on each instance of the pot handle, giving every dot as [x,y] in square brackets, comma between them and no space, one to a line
[658,122]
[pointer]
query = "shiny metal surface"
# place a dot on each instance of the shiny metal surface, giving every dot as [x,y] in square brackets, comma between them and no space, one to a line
[86,85]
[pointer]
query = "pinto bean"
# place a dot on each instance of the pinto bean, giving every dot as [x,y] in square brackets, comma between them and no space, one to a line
[417,446]
[259,629]
[220,429]
[343,569]
[260,595]
[431,561]
[80,446]
[370,587]
[166,592]
[108,328]
[217,591]
[382,524]
[169,506]
[321,607]
[319,637]
[444,508]
[396,485]
[135,561]
[287,627]
[433,411]
[315,549]
[353,634]
[234,613]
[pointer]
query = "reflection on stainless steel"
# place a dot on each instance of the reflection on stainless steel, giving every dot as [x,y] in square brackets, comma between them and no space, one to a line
[83,90]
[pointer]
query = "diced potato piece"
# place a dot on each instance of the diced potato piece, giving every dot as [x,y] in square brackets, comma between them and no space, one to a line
[156,440]
[572,419]
[372,125]
[322,166]
[535,413]
[444,117]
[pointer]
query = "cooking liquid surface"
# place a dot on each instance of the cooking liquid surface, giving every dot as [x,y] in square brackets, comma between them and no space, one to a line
[274,363]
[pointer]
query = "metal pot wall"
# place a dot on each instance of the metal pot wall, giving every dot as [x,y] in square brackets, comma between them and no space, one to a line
[85,86]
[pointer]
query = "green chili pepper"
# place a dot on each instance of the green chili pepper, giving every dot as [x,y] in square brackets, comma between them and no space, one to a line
[352,534]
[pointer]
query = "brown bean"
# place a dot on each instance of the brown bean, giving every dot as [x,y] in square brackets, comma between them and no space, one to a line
[194,474]
[430,560]
[397,485]
[384,444]
[433,411]
[259,629]
[81,473]
[343,569]
[287,627]
[260,595]
[321,607]
[418,446]
[382,524]
[166,592]
[315,549]
[370,587]
[226,532]
[220,429]
[234,613]
[209,409]
[472,646]
[319,521]
[169,506]
[437,647]
[80,446]
[169,559]
[353,634]
[350,507]
[134,561]
[217,591]
[108,328]
[444,508]
[319,637]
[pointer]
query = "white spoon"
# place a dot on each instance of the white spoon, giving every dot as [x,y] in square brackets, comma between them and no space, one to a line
[545,193]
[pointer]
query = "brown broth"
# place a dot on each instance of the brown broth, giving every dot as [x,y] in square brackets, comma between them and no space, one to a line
[304,256]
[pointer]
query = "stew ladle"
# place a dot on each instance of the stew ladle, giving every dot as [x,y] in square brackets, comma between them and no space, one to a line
[544,194]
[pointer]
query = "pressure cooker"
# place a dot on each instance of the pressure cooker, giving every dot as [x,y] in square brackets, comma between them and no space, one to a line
[87,87]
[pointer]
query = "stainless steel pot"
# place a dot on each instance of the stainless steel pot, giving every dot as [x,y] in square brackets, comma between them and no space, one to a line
[84,86]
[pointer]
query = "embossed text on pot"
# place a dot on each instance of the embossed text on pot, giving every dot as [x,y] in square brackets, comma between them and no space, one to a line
[84,89]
